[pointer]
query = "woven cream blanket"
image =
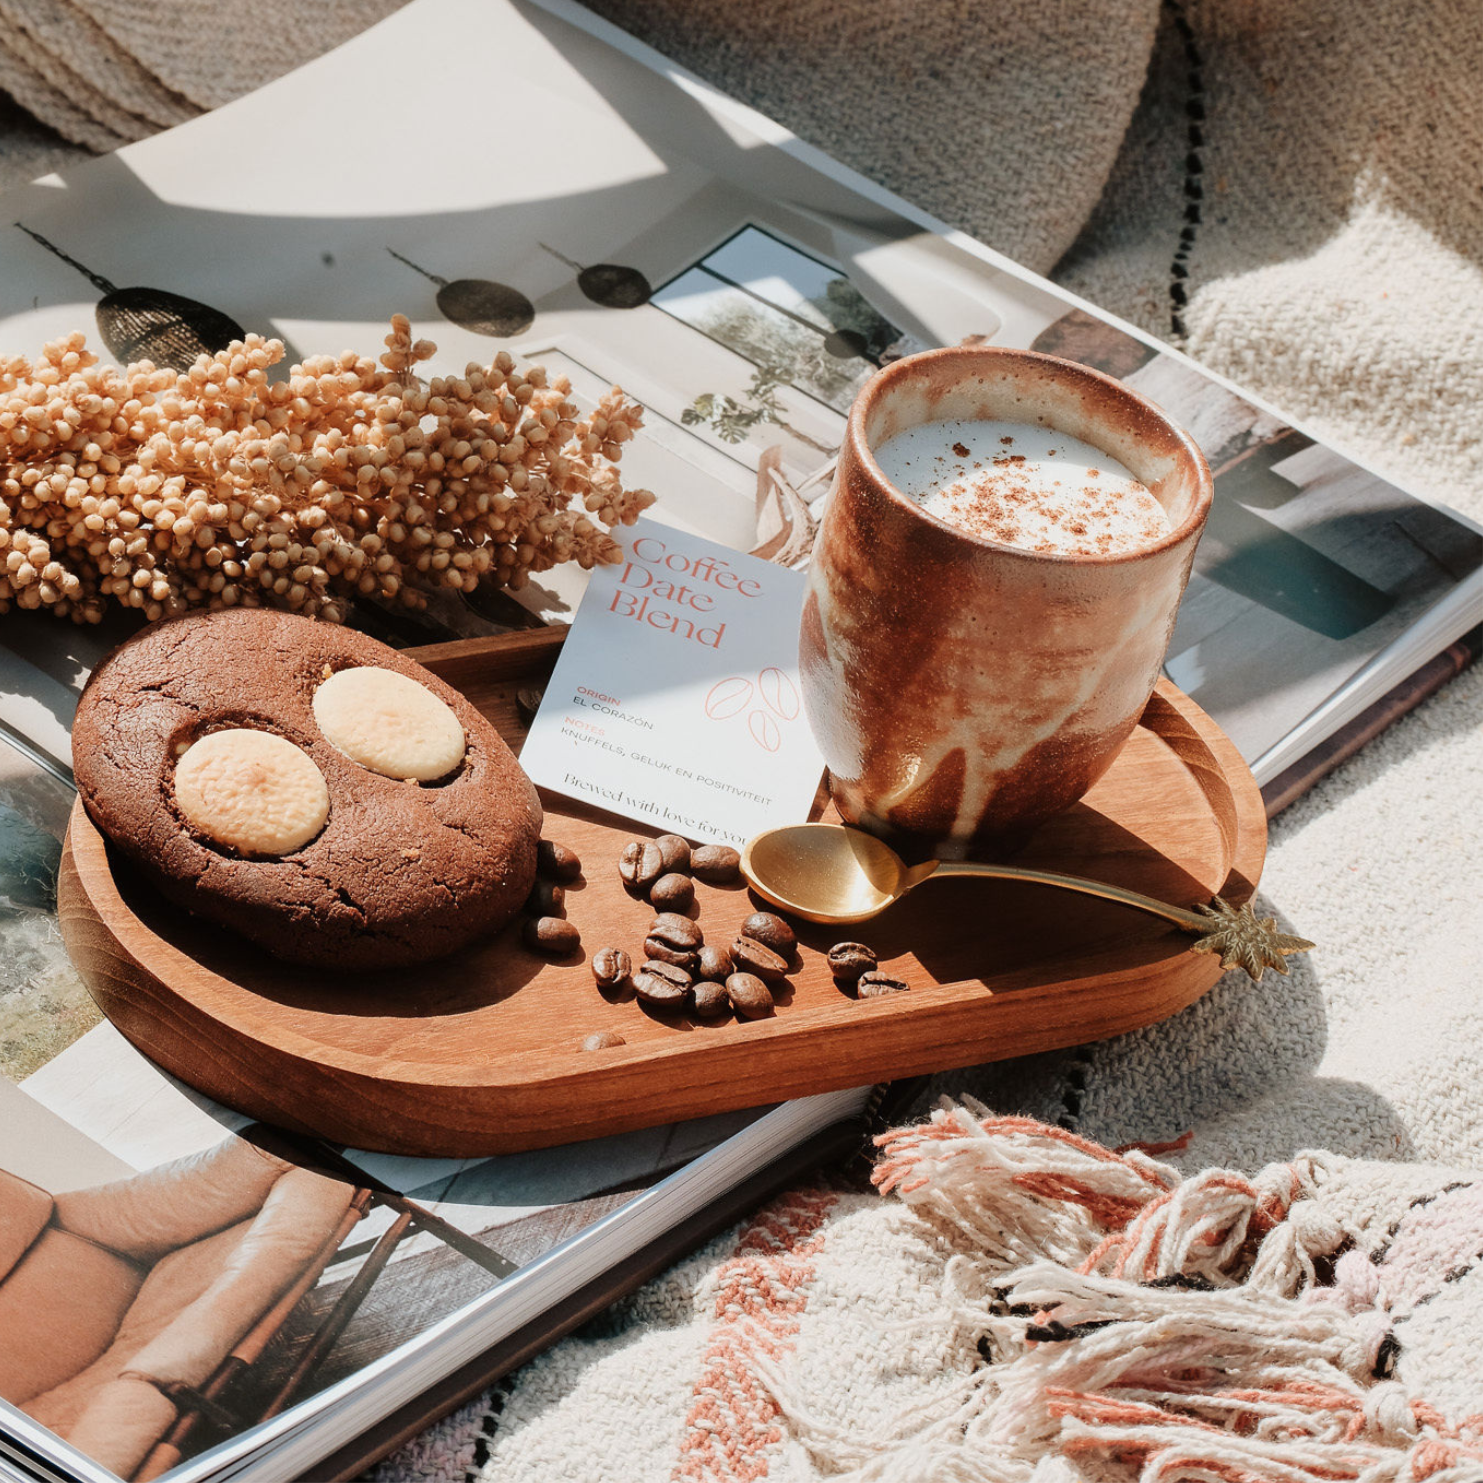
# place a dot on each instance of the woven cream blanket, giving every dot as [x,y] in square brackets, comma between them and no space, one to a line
[1031,1306]
[1290,189]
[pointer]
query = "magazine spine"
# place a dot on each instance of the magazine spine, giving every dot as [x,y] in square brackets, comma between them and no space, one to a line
[831,1147]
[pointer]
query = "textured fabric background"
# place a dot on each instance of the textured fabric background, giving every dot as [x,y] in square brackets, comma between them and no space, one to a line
[1335,267]
[1003,120]
[1291,191]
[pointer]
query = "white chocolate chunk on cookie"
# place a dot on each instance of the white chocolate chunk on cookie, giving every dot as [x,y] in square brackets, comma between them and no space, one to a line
[389,724]
[254,791]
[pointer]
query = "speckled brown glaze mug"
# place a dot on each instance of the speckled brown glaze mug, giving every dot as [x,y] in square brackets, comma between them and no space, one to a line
[963,691]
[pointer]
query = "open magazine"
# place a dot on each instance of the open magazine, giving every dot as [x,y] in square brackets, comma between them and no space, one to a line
[740,285]
[179,1299]
[185,1293]
[627,225]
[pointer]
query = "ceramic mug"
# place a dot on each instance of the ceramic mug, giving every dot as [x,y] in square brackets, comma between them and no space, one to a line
[964,691]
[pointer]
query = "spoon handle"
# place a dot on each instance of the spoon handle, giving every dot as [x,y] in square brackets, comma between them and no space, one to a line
[1188,920]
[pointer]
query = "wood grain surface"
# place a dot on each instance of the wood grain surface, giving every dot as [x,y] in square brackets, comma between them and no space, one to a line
[480,1053]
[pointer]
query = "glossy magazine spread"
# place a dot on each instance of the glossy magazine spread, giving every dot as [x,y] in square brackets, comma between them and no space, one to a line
[183,1292]
[742,288]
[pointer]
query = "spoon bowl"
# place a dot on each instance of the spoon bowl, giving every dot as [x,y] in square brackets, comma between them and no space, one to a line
[827,872]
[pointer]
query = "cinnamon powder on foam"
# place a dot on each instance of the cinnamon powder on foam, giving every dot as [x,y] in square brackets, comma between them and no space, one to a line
[1004,496]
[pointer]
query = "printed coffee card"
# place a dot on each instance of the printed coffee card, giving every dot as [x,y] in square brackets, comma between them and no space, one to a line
[676,698]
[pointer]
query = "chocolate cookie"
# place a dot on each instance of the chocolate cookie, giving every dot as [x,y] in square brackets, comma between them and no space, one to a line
[307,786]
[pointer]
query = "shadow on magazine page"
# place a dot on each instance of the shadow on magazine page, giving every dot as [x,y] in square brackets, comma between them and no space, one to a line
[663,239]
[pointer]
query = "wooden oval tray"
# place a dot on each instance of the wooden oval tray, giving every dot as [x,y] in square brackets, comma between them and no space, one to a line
[480,1053]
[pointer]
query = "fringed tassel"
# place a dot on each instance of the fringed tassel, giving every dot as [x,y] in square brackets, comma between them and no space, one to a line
[1015,1187]
[1141,1327]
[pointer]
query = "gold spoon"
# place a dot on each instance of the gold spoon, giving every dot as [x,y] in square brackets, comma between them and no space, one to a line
[834,874]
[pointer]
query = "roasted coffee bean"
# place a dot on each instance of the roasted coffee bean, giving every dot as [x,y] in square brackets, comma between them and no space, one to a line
[529,700]
[641,863]
[714,962]
[711,999]
[771,931]
[670,927]
[546,899]
[553,937]
[610,966]
[676,852]
[669,972]
[848,960]
[662,984]
[603,1040]
[717,864]
[877,982]
[750,997]
[662,952]
[556,862]
[751,956]
[673,892]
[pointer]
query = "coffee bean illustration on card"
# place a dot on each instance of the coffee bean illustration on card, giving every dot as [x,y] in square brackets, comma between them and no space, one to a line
[728,698]
[770,702]
[779,694]
[764,731]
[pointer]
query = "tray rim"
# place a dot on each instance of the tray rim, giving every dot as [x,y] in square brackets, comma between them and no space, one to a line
[93,892]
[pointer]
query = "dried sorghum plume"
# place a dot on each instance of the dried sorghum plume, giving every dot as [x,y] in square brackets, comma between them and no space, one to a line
[217,488]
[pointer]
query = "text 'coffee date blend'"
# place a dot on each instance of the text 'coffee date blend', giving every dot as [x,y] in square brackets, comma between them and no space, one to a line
[666,590]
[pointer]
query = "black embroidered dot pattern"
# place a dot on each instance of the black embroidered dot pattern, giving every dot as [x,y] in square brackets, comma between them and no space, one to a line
[1073,1089]
[1390,1347]
[488,1425]
[1379,1254]
[1194,170]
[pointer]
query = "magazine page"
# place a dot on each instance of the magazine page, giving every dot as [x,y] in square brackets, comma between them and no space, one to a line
[29,1452]
[145,1228]
[676,244]
[654,237]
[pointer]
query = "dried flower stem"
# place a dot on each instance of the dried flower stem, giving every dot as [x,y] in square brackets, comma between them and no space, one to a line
[215,488]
